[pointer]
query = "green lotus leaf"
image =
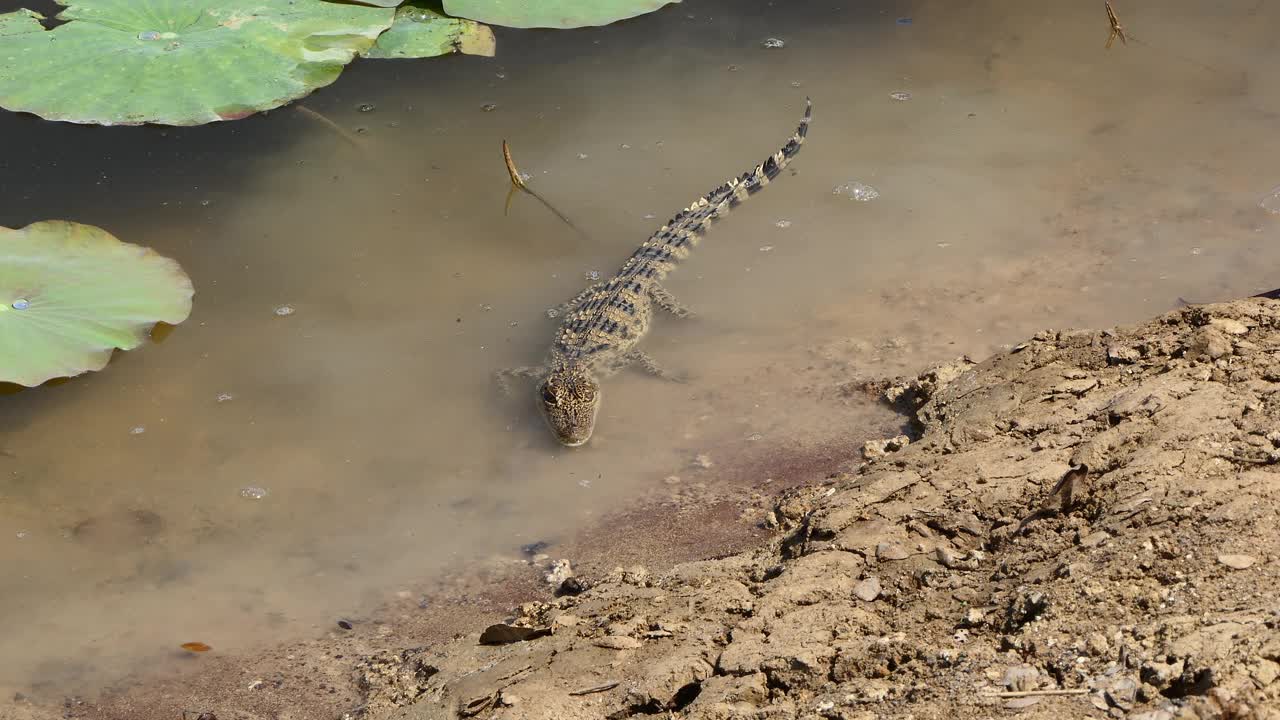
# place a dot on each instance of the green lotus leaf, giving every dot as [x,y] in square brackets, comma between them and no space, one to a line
[127,62]
[419,32]
[560,14]
[380,3]
[19,22]
[70,294]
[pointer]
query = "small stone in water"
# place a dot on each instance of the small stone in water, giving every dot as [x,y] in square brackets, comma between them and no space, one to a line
[771,43]
[856,191]
[553,313]
[253,493]
[365,107]
[900,95]
[21,304]
[784,224]
[284,310]
[488,107]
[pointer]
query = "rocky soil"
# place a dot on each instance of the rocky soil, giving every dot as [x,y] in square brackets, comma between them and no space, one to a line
[1084,526]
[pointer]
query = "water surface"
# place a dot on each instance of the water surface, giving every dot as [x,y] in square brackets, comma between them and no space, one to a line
[1033,179]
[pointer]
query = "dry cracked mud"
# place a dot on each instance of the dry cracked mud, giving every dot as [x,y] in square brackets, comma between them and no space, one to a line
[1084,526]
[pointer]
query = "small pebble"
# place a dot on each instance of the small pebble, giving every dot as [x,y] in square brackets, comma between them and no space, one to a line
[867,590]
[344,624]
[1237,562]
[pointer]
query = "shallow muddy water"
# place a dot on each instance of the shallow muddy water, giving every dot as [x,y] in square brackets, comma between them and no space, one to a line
[257,475]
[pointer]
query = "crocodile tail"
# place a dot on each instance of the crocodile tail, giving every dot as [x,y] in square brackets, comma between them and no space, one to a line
[673,241]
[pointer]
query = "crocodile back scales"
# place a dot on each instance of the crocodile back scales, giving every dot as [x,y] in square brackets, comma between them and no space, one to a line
[612,319]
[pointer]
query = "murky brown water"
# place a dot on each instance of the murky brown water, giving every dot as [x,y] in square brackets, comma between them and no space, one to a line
[1032,179]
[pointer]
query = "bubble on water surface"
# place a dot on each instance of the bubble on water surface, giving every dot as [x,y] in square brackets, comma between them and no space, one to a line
[784,224]
[253,493]
[1271,203]
[148,35]
[21,304]
[772,43]
[224,397]
[283,310]
[856,191]
[137,430]
[900,95]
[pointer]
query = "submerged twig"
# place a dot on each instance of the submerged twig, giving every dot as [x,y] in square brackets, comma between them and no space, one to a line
[518,183]
[330,124]
[511,167]
[1117,30]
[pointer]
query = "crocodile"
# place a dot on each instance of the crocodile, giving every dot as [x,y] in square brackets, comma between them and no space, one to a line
[603,323]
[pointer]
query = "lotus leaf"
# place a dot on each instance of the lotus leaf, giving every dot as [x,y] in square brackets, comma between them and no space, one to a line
[419,32]
[560,14]
[127,62]
[70,294]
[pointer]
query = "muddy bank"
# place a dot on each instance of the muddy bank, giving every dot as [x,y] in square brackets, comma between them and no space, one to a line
[1085,526]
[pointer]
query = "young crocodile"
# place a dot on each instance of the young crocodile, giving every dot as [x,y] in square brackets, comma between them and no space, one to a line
[604,322]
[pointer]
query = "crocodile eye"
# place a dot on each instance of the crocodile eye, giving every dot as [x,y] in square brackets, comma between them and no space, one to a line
[548,396]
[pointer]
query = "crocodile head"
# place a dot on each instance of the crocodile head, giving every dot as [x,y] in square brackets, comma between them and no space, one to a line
[570,399]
